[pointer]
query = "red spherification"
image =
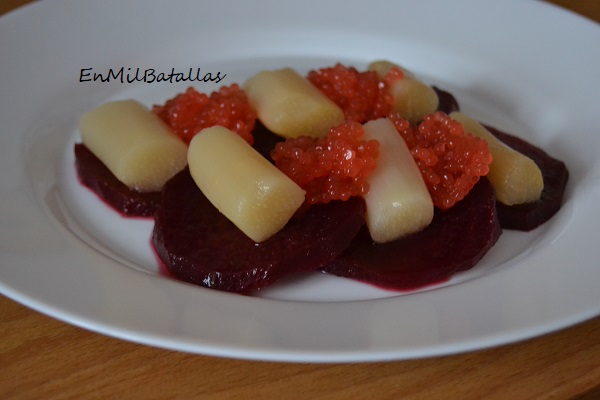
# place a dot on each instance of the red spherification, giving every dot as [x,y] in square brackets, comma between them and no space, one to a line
[450,159]
[182,112]
[361,95]
[331,168]
[190,112]
[394,74]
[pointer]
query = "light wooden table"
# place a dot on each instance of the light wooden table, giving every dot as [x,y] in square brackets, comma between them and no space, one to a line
[41,358]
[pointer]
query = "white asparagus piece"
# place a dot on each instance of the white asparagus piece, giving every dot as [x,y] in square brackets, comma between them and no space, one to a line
[398,202]
[250,191]
[515,177]
[290,106]
[134,144]
[413,98]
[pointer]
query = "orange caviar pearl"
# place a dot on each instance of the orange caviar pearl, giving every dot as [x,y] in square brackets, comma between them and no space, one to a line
[361,95]
[190,112]
[331,168]
[451,160]
[394,74]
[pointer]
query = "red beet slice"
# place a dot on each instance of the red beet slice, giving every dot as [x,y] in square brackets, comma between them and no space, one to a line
[264,140]
[199,245]
[455,241]
[97,177]
[526,217]
[447,101]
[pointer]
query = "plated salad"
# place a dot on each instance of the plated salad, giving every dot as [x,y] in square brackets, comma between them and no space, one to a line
[372,175]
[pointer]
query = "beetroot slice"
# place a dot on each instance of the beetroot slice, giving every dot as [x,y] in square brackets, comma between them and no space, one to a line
[526,217]
[264,140]
[455,241]
[447,101]
[97,177]
[197,244]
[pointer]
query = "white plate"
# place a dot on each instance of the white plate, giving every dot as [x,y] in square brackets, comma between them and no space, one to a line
[523,66]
